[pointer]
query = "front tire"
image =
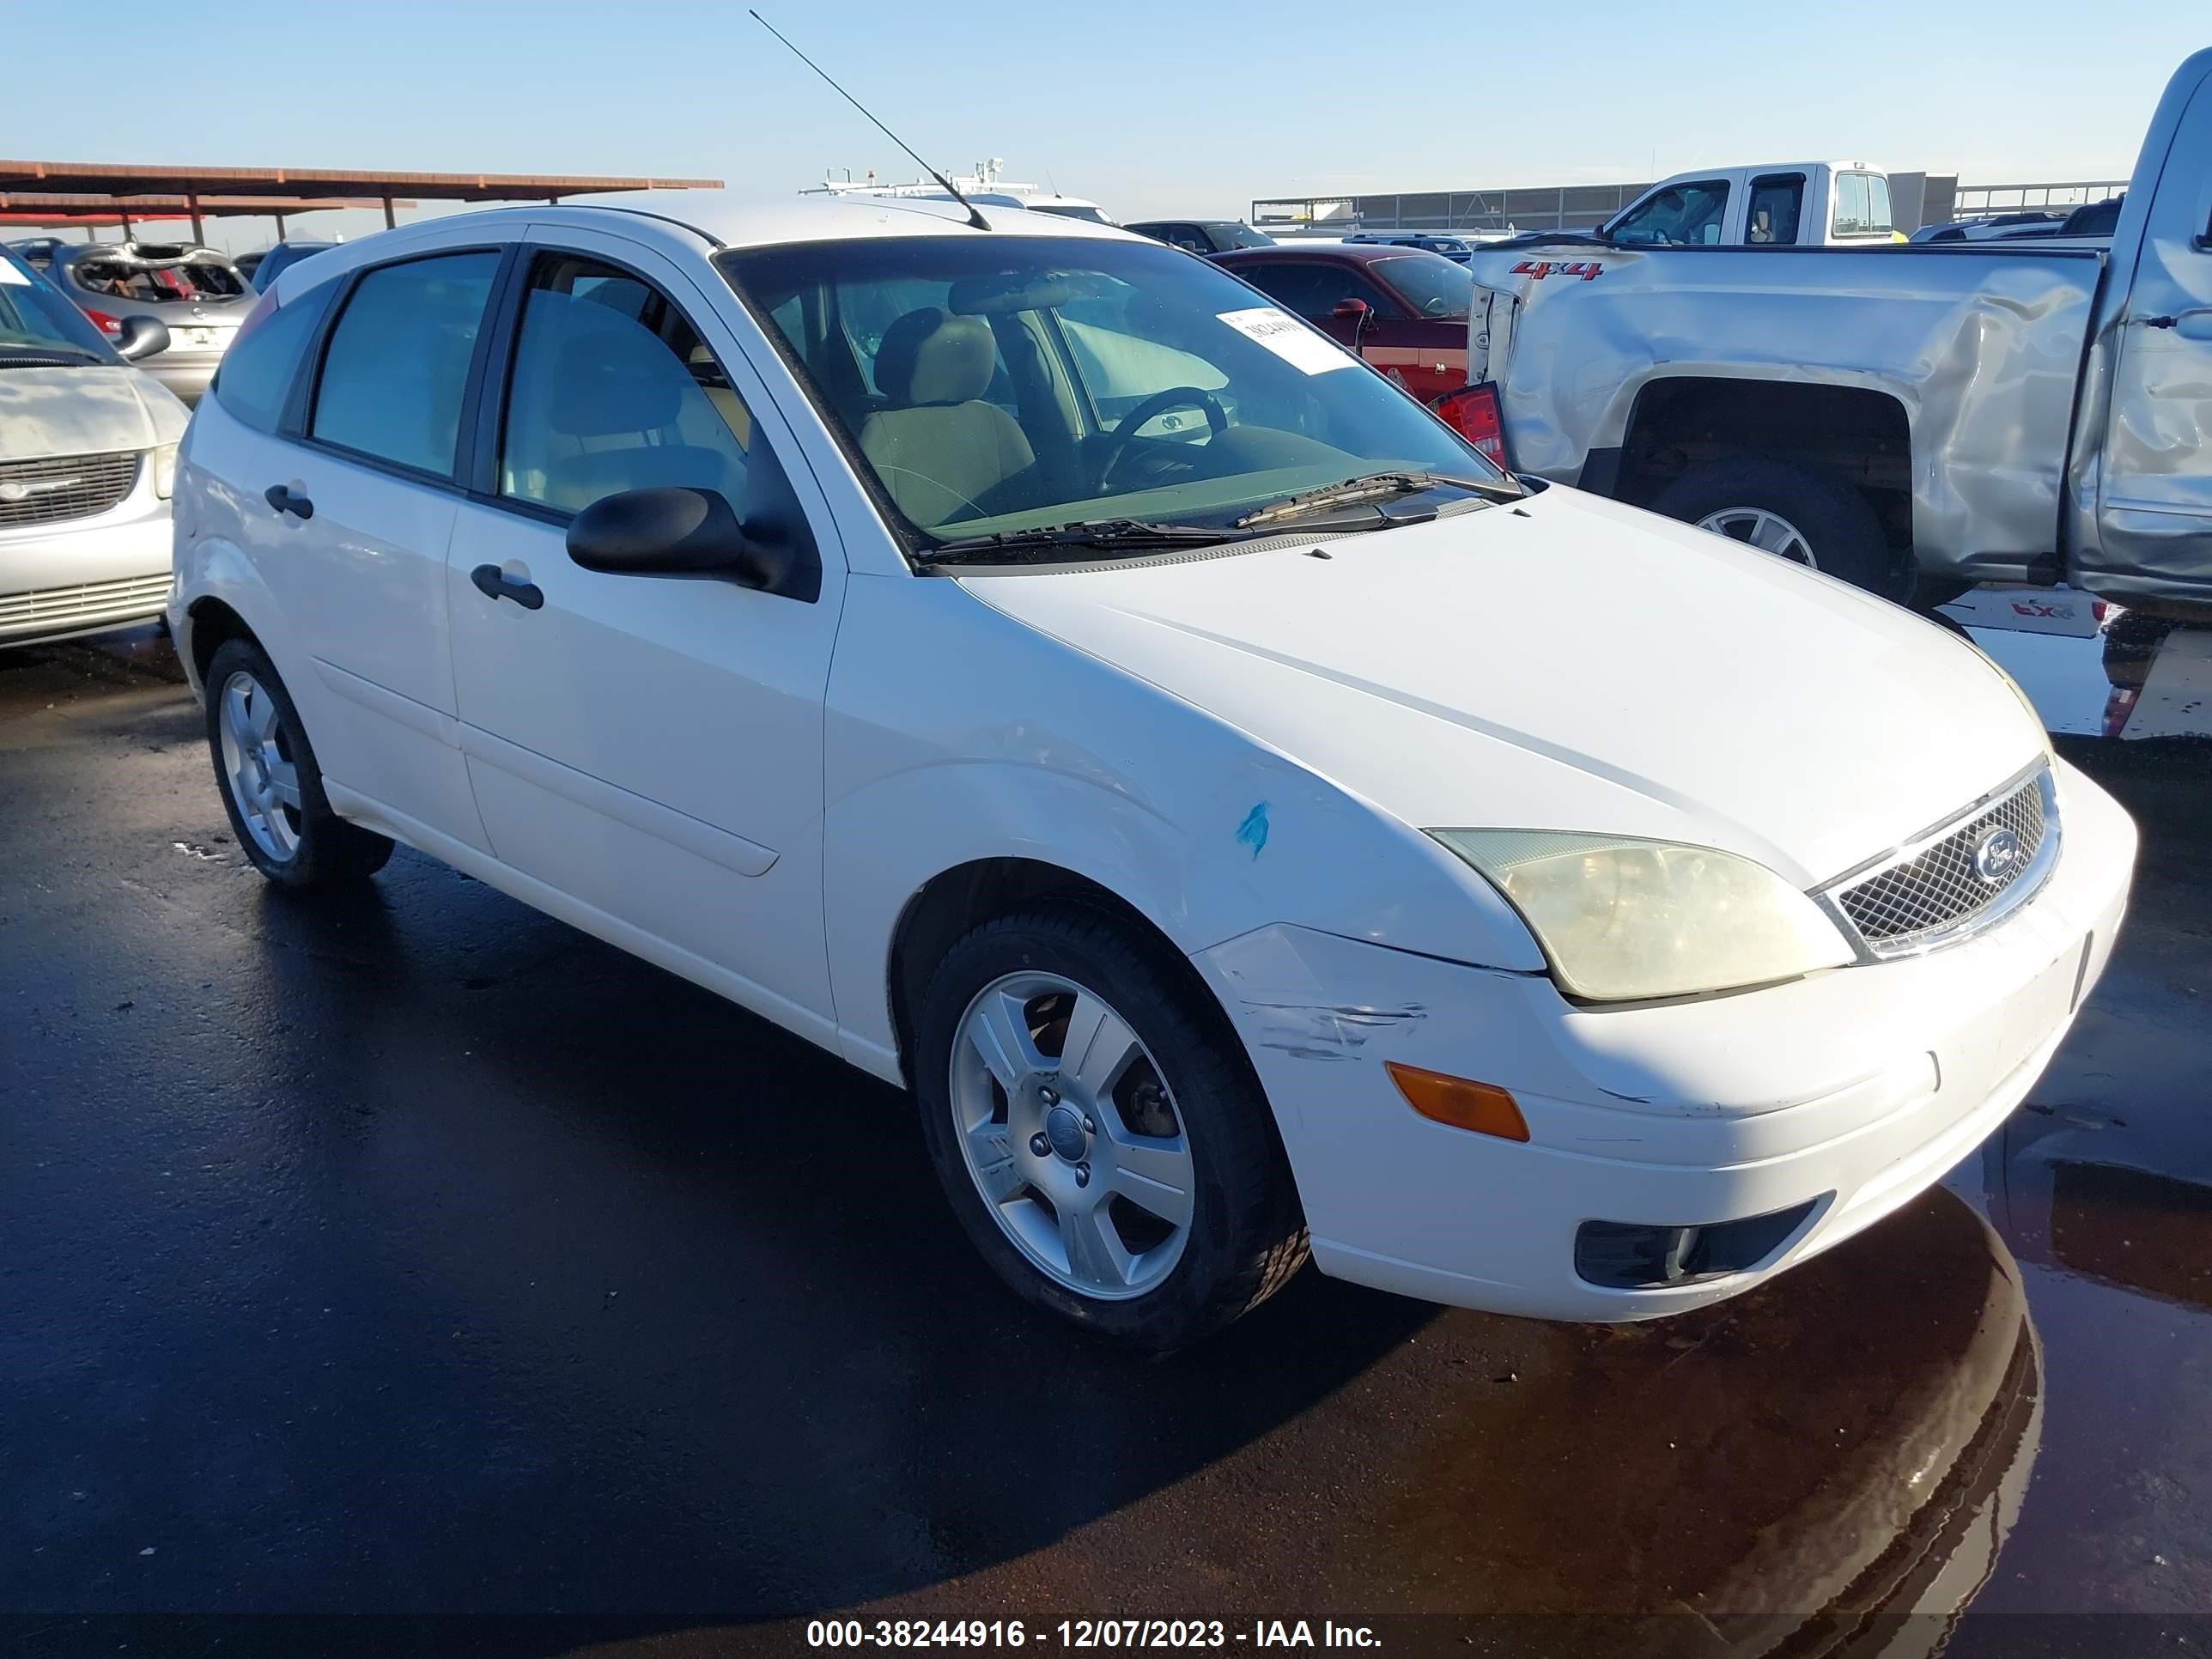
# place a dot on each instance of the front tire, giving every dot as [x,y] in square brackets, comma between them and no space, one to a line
[271,787]
[1099,1131]
[1793,512]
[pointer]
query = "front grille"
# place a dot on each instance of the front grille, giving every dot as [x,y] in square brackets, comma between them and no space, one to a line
[1935,889]
[83,605]
[64,487]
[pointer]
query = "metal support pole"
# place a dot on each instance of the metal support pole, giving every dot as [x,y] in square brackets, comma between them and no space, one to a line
[280,227]
[199,230]
[390,222]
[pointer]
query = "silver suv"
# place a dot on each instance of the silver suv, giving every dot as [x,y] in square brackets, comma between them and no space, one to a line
[196,292]
[88,458]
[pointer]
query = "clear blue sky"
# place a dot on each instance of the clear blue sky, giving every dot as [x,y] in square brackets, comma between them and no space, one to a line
[1149,106]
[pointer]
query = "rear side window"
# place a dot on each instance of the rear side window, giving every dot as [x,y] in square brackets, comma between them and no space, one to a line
[1775,208]
[258,371]
[397,362]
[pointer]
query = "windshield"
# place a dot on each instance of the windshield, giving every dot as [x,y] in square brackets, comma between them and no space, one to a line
[33,317]
[1240,235]
[1432,284]
[1002,384]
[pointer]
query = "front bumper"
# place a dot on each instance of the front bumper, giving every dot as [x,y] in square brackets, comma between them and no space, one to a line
[1854,1090]
[86,576]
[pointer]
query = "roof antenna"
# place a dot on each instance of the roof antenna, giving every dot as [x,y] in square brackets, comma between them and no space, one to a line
[975,217]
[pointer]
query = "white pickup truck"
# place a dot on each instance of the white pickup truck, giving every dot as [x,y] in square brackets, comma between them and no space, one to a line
[1905,417]
[1777,204]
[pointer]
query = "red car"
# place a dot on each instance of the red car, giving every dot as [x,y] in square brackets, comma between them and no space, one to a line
[1403,309]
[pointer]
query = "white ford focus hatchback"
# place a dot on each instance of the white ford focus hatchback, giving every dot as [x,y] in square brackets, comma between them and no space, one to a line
[1026,662]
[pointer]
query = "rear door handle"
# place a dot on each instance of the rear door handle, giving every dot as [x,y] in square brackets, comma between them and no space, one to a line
[280,497]
[496,584]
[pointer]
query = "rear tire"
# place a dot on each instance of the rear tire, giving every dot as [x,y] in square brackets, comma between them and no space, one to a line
[271,787]
[1160,1099]
[1835,525]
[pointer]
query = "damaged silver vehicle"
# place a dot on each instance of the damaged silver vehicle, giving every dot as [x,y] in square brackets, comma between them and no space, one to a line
[1917,419]
[196,292]
[88,461]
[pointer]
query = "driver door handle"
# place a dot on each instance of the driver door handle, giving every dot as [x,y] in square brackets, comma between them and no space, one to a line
[496,584]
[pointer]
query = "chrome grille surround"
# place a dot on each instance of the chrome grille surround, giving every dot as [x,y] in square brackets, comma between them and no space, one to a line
[57,488]
[1927,894]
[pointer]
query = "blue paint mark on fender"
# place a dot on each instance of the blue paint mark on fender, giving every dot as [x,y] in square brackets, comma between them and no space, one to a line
[1253,832]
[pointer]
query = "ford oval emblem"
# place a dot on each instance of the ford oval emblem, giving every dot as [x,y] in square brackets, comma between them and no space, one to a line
[1998,856]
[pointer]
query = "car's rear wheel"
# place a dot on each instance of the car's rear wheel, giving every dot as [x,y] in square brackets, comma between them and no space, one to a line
[1098,1130]
[271,787]
[1793,512]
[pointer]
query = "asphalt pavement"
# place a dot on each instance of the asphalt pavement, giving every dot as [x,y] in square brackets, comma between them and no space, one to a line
[415,1273]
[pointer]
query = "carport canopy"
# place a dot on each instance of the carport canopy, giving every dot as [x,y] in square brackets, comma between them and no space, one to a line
[62,193]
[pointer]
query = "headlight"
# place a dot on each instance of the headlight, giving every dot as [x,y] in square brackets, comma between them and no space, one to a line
[1621,918]
[165,471]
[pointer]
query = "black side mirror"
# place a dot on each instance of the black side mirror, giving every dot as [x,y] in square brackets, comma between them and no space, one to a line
[142,337]
[696,532]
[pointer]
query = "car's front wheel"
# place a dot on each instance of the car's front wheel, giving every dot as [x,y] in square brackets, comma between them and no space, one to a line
[271,787]
[1099,1131]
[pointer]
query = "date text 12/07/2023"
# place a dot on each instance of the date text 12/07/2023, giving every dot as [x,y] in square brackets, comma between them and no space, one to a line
[1082,1633]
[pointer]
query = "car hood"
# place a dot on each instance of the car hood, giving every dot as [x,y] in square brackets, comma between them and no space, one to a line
[1567,663]
[90,409]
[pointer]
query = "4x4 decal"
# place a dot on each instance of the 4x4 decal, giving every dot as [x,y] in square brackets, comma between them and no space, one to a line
[1539,269]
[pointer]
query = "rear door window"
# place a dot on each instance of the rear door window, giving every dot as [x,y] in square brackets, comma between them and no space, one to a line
[1776,208]
[397,362]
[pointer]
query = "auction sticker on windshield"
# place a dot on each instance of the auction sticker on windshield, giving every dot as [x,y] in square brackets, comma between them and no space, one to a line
[1289,339]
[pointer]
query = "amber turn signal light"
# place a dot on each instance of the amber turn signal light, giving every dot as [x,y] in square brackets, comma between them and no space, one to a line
[1484,1108]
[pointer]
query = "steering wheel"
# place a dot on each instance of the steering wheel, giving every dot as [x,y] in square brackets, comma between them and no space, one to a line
[1176,396]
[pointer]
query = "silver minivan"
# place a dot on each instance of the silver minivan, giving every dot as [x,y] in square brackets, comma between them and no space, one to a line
[87,460]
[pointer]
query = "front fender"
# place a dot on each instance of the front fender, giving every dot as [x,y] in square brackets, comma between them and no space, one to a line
[1021,746]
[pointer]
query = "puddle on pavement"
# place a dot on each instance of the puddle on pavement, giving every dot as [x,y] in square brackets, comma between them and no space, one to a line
[1852,1444]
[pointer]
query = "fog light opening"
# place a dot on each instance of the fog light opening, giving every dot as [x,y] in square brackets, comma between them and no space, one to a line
[1633,1256]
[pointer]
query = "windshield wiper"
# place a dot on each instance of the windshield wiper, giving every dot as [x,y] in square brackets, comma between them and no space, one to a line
[1107,535]
[1374,484]
[39,354]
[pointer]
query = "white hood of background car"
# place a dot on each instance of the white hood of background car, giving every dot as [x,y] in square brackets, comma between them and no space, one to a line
[90,409]
[1567,663]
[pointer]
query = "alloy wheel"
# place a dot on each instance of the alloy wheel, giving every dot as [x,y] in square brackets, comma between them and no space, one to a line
[1759,527]
[1071,1135]
[256,766]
